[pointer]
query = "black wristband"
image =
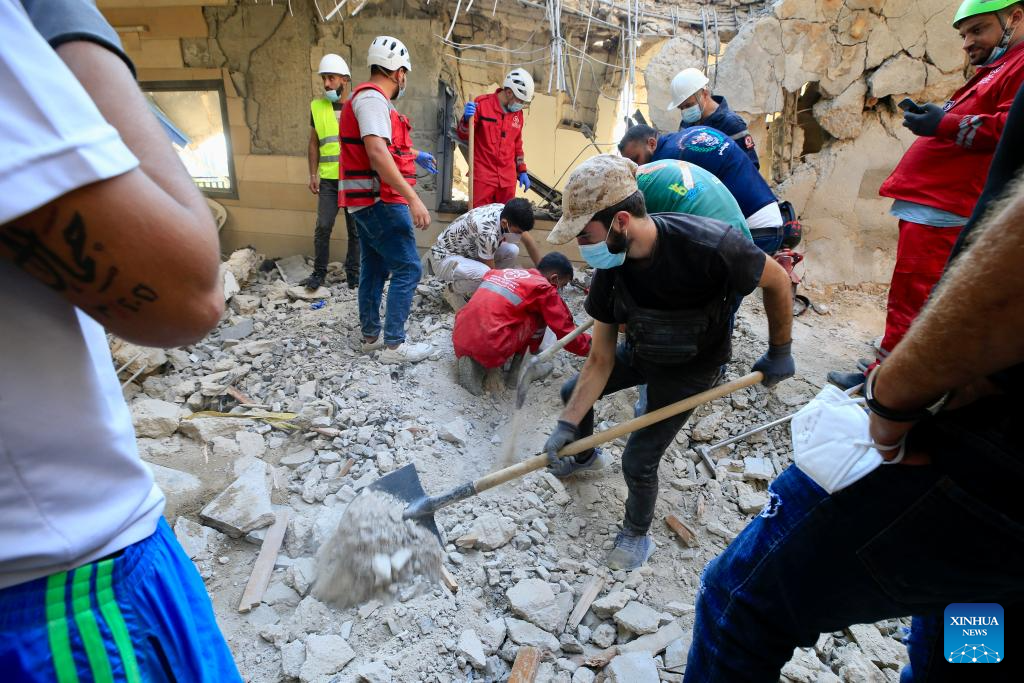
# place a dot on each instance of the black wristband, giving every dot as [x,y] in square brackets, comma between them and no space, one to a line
[896,415]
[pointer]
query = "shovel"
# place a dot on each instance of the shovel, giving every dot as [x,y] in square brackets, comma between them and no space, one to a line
[530,369]
[404,483]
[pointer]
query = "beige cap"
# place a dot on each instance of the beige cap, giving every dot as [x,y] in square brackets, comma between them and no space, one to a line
[596,184]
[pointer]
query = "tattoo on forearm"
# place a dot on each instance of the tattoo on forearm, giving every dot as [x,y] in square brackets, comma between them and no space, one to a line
[74,266]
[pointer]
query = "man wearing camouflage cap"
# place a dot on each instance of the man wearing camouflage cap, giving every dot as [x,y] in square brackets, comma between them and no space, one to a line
[670,279]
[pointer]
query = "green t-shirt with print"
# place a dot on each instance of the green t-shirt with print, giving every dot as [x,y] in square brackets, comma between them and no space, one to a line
[676,186]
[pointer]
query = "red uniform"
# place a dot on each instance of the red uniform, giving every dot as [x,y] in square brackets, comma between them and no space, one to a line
[946,172]
[497,150]
[508,314]
[360,185]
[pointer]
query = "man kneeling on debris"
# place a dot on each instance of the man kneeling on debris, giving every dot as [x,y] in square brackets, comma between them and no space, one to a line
[477,241]
[509,314]
[943,526]
[671,279]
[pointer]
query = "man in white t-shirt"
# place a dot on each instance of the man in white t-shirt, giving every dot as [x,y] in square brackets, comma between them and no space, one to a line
[100,227]
[481,239]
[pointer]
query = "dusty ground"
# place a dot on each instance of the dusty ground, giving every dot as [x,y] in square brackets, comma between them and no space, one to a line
[407,408]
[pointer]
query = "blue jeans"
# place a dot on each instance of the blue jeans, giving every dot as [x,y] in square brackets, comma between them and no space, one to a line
[905,540]
[768,240]
[388,246]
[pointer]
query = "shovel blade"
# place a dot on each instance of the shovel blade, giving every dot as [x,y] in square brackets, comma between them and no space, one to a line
[404,485]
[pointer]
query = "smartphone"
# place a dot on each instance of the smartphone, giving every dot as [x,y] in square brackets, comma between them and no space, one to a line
[907,104]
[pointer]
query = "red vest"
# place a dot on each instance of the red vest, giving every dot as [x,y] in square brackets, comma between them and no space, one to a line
[360,185]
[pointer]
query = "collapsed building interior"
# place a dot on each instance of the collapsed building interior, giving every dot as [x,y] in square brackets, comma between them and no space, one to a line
[231,80]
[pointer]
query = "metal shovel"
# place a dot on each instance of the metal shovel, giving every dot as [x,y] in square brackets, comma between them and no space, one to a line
[404,483]
[529,371]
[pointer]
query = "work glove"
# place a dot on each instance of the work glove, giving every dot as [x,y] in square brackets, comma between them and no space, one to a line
[524,180]
[469,111]
[426,160]
[777,364]
[927,122]
[564,434]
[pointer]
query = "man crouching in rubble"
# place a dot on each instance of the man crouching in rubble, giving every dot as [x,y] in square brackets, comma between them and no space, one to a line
[671,279]
[508,315]
[944,526]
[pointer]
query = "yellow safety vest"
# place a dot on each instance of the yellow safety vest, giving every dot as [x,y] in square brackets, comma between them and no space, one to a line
[327,130]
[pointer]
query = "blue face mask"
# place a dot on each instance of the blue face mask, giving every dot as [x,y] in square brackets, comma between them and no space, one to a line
[514,107]
[332,95]
[598,256]
[1000,49]
[691,114]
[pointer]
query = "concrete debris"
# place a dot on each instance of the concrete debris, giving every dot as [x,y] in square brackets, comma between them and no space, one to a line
[206,429]
[603,636]
[675,655]
[300,293]
[854,665]
[374,672]
[635,667]
[472,649]
[533,600]
[326,655]
[883,651]
[181,489]
[243,264]
[292,656]
[244,505]
[154,418]
[491,531]
[525,633]
[611,603]
[637,618]
[294,269]
[456,432]
[198,541]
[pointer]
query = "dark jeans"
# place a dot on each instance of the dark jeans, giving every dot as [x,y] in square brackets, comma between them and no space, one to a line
[640,459]
[905,540]
[767,240]
[388,246]
[326,213]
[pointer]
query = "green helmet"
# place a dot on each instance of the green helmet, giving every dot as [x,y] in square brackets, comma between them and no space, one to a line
[972,8]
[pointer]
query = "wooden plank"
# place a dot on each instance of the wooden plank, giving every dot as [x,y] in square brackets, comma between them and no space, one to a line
[684,532]
[264,566]
[449,580]
[525,668]
[589,594]
[346,467]
[238,396]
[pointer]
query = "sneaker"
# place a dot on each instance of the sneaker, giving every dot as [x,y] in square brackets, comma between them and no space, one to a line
[313,282]
[406,353]
[598,460]
[631,551]
[846,380]
[369,347]
[471,375]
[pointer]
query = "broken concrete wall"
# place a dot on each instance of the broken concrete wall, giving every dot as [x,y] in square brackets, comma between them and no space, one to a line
[860,57]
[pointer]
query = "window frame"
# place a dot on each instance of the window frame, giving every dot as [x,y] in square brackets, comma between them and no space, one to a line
[198,86]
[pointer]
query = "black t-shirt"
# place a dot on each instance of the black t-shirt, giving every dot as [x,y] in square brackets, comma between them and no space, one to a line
[334,105]
[695,261]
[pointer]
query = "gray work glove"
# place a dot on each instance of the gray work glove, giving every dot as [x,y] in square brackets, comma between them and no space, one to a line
[777,363]
[924,123]
[564,434]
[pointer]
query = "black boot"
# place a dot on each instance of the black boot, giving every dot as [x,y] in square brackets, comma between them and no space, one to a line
[313,282]
[846,380]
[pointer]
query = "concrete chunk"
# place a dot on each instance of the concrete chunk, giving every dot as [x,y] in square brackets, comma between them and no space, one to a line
[471,647]
[635,667]
[533,600]
[525,633]
[325,656]
[242,506]
[638,618]
[605,607]
[154,418]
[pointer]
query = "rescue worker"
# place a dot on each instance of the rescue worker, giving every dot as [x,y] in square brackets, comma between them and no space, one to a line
[323,154]
[509,315]
[481,239]
[938,180]
[692,97]
[498,159]
[674,186]
[378,172]
[713,150]
[671,279]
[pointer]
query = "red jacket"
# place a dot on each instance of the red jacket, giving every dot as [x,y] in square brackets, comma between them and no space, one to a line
[948,171]
[360,185]
[508,314]
[497,142]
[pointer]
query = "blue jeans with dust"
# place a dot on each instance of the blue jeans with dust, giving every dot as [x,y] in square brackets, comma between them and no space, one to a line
[388,246]
[905,540]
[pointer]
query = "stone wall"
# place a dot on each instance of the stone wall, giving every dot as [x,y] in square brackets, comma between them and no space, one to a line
[862,56]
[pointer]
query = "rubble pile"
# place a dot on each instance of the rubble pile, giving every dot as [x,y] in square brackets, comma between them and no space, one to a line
[277,411]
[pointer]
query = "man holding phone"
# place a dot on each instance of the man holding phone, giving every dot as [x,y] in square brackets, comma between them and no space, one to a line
[937,182]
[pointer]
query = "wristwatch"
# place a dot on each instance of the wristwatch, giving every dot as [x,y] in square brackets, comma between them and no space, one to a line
[898,415]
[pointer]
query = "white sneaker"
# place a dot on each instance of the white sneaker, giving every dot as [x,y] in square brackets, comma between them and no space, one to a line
[369,347]
[406,353]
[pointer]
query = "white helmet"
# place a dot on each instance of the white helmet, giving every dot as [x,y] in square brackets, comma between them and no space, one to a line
[388,53]
[520,82]
[334,64]
[684,84]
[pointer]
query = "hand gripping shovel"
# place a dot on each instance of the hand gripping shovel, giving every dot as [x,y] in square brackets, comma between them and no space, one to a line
[404,483]
[530,369]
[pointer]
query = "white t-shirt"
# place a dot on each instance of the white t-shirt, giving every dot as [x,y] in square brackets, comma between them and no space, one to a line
[72,486]
[768,216]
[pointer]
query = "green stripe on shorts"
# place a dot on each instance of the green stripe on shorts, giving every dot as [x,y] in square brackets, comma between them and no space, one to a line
[81,605]
[115,620]
[57,629]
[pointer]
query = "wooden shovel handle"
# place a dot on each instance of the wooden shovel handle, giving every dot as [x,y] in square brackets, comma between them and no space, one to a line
[538,461]
[561,343]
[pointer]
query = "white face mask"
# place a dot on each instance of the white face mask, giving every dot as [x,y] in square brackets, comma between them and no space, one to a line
[832,443]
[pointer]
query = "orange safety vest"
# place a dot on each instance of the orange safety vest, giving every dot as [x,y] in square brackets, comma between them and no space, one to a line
[360,185]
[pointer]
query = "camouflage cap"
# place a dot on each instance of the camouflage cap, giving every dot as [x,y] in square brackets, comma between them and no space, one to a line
[596,184]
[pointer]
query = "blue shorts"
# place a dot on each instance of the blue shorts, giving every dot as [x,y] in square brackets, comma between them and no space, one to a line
[142,615]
